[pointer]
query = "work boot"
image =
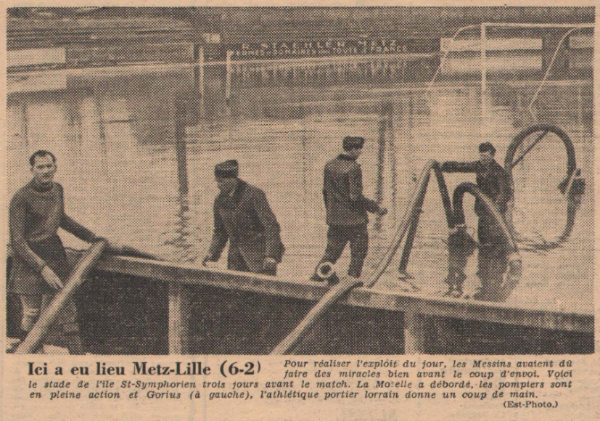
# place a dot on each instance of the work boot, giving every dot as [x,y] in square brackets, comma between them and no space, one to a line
[455,280]
[316,278]
[333,279]
[481,294]
[454,291]
[490,291]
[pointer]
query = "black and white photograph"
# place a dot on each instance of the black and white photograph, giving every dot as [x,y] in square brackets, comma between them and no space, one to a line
[310,180]
[328,181]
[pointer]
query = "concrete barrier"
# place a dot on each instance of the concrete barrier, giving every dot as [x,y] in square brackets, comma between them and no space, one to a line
[36,57]
[263,309]
[498,44]
[578,42]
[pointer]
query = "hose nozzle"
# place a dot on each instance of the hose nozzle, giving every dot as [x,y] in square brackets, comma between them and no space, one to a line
[326,271]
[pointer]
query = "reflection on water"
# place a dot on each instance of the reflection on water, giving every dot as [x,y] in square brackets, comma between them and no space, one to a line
[136,153]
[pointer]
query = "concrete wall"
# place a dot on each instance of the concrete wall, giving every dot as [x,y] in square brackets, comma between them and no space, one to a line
[121,314]
[129,315]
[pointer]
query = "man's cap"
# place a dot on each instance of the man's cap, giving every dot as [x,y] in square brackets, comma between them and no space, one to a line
[487,147]
[353,142]
[227,169]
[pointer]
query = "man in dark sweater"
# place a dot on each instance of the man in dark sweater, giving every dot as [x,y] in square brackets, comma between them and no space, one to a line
[243,217]
[347,207]
[40,266]
[494,182]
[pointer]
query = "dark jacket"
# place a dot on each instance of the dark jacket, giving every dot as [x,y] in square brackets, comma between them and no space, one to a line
[342,193]
[247,221]
[492,180]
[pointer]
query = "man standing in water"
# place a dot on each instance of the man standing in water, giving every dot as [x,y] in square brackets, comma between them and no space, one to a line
[347,208]
[494,182]
[243,217]
[39,262]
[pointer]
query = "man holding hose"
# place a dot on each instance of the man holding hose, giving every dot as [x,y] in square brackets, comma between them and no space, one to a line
[39,262]
[494,182]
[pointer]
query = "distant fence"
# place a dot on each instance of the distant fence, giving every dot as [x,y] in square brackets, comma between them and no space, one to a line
[214,48]
[262,24]
[81,56]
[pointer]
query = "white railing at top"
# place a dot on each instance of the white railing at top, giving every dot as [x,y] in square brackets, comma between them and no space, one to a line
[443,60]
[483,27]
[569,32]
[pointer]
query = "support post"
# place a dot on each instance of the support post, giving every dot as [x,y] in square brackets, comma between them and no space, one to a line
[483,46]
[178,296]
[25,123]
[414,332]
[228,76]
[180,146]
[383,125]
[200,55]
[201,72]
[178,320]
[393,163]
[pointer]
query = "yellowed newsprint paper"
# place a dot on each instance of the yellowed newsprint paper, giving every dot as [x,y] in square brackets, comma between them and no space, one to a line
[299,211]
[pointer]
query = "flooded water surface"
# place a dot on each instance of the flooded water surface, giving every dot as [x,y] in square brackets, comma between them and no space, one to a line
[136,150]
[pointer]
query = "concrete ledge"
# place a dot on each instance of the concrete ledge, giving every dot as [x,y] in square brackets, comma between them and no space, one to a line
[497,44]
[578,42]
[36,57]
[362,297]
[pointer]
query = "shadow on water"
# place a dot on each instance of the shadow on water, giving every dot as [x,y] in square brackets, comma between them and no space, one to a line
[384,129]
[186,112]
